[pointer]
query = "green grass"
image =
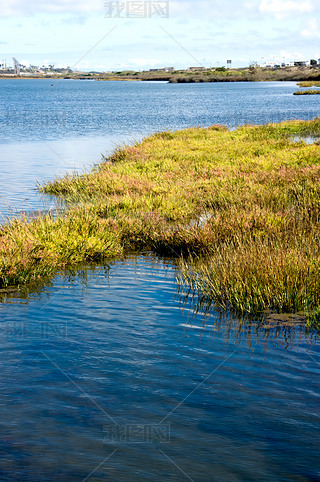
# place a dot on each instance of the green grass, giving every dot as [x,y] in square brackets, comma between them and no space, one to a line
[34,249]
[240,209]
[309,84]
[310,91]
[307,92]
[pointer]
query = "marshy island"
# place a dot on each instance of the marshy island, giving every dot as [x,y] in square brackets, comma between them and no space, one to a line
[239,209]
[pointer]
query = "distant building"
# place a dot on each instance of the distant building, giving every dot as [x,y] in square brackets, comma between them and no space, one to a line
[298,63]
[163,69]
[194,69]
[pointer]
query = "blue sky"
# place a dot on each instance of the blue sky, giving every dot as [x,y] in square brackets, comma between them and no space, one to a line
[86,35]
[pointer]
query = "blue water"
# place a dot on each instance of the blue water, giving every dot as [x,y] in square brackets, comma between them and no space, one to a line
[109,373]
[48,128]
[64,109]
[114,361]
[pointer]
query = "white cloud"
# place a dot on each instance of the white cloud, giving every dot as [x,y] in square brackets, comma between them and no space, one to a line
[143,62]
[284,56]
[84,65]
[209,9]
[21,7]
[287,55]
[312,30]
[178,9]
[281,9]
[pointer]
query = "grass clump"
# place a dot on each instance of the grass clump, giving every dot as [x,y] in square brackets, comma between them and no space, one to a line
[35,249]
[240,208]
[307,92]
[312,83]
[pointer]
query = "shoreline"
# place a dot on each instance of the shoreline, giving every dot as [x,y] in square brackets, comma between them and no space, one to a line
[250,74]
[219,201]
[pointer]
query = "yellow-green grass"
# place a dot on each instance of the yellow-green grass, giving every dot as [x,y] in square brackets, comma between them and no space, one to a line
[312,83]
[240,208]
[33,249]
[307,92]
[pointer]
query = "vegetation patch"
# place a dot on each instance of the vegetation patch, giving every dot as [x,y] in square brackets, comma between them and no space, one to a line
[309,84]
[307,92]
[240,210]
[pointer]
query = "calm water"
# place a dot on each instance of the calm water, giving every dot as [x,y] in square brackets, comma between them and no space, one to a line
[52,127]
[107,373]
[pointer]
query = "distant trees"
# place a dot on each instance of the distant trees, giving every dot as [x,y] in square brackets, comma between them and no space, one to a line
[253,66]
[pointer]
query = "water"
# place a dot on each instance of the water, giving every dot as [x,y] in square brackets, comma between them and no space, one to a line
[95,365]
[307,139]
[50,127]
[108,373]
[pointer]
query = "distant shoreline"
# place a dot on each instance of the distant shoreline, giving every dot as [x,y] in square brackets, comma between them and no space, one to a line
[250,74]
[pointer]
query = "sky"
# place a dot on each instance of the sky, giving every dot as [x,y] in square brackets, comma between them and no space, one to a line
[100,35]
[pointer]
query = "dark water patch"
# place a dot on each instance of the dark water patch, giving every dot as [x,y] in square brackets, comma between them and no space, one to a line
[110,375]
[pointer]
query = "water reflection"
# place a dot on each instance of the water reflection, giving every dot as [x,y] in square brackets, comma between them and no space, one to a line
[198,315]
[285,330]
[24,165]
[114,346]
